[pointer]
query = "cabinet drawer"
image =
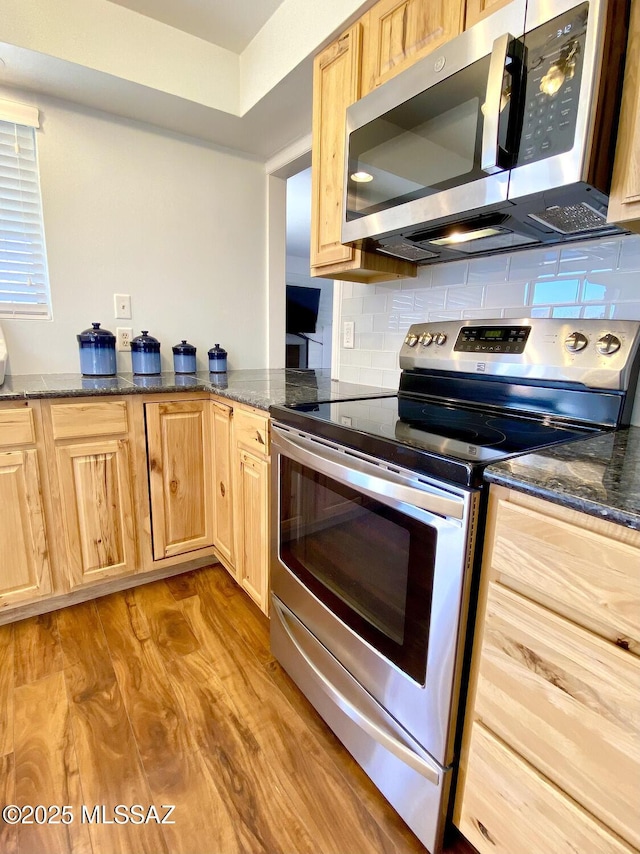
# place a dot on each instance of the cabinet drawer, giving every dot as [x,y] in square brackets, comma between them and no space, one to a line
[567,701]
[508,807]
[80,420]
[580,573]
[16,427]
[251,430]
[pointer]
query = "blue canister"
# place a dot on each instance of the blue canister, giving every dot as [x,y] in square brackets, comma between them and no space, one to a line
[184,358]
[145,354]
[97,352]
[217,360]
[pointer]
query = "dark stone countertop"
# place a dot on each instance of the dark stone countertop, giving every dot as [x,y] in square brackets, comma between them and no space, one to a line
[599,476]
[259,388]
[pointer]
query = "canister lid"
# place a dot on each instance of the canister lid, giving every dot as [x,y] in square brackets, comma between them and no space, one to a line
[184,349]
[145,343]
[97,337]
[217,352]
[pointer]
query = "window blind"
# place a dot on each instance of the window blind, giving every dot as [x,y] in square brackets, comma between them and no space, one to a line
[24,279]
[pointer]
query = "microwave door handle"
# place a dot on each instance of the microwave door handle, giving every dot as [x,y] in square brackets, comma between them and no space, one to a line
[490,162]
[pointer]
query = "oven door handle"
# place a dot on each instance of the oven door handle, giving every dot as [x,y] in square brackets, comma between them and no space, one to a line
[368,478]
[378,732]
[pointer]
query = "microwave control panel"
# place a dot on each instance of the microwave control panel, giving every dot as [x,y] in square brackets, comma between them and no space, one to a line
[554,59]
[492,339]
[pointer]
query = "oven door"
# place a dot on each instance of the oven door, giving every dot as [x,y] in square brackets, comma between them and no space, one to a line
[373,561]
[438,140]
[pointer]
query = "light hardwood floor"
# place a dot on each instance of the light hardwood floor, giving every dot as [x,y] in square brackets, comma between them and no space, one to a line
[168,695]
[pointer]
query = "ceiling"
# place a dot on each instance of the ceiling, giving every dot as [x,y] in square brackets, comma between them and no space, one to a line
[230,24]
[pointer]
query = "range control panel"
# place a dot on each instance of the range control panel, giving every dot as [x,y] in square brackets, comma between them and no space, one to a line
[592,352]
[492,339]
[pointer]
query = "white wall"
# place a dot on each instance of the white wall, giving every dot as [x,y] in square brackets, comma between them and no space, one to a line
[594,278]
[177,224]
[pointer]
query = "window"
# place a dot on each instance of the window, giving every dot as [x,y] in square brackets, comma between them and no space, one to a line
[24,280]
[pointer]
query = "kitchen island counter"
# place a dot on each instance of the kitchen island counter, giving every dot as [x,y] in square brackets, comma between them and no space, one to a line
[259,388]
[599,475]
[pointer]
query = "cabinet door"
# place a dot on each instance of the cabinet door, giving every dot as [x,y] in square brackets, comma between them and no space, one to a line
[479,9]
[336,85]
[223,504]
[24,554]
[96,495]
[252,527]
[400,32]
[624,201]
[180,476]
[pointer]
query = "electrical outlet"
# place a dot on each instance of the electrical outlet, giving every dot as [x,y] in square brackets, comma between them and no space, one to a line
[348,334]
[124,334]
[122,303]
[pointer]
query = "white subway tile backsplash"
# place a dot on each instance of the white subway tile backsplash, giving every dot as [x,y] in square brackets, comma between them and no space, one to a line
[493,268]
[464,297]
[453,273]
[500,296]
[595,278]
[374,304]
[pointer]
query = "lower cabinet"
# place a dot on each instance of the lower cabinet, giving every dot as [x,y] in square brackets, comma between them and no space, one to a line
[98,489]
[25,569]
[550,758]
[179,448]
[91,474]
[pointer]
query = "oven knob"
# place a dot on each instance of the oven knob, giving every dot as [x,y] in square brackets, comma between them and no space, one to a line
[440,339]
[575,342]
[608,344]
[411,339]
[426,338]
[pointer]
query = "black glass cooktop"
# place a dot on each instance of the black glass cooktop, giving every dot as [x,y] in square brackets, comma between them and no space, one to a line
[446,440]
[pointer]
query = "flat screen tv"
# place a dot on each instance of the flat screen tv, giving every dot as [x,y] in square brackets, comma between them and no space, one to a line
[302,309]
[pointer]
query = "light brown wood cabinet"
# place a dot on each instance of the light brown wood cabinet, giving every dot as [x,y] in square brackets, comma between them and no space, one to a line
[624,199]
[551,746]
[400,32]
[251,503]
[179,448]
[25,567]
[477,10]
[223,483]
[90,460]
[336,85]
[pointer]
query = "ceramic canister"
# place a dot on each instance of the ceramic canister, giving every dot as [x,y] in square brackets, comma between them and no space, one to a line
[97,352]
[217,360]
[145,354]
[184,358]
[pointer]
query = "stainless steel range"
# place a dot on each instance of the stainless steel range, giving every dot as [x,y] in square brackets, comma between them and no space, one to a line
[377,522]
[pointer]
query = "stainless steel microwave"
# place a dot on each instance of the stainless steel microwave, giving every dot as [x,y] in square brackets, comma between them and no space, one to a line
[502,138]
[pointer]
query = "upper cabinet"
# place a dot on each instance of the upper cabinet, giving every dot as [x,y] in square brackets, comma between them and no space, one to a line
[397,34]
[479,9]
[336,85]
[624,201]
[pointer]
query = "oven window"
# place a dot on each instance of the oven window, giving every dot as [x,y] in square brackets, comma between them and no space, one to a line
[370,564]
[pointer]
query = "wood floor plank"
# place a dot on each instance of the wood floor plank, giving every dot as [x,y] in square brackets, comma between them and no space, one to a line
[7,679]
[184,585]
[170,631]
[37,646]
[175,769]
[285,748]
[108,760]
[8,832]
[46,769]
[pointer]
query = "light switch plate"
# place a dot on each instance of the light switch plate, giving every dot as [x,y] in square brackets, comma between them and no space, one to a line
[122,303]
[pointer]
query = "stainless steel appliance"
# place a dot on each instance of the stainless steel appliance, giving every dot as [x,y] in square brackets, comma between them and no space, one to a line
[502,138]
[377,509]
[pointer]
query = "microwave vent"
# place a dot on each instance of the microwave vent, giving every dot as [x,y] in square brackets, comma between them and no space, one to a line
[407,251]
[572,219]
